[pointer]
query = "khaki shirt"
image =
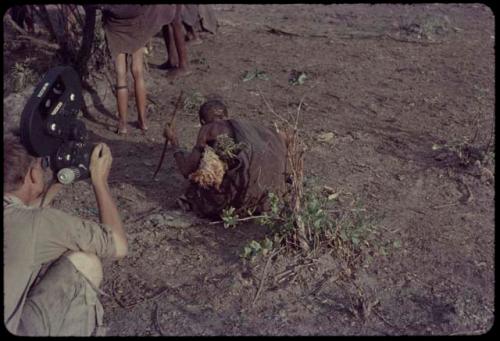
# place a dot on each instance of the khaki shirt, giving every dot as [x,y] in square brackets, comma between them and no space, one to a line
[34,237]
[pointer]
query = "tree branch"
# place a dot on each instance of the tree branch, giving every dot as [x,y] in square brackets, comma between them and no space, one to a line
[88,37]
[7,19]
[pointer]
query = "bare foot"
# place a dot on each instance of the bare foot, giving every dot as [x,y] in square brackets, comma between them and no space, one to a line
[122,128]
[195,41]
[141,123]
[121,131]
[167,65]
[179,72]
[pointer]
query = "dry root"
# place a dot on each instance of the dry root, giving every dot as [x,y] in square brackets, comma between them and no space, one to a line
[211,170]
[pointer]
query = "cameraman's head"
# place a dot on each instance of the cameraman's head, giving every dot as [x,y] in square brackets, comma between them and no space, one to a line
[23,174]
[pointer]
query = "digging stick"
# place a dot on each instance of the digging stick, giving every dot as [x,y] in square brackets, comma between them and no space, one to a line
[166,139]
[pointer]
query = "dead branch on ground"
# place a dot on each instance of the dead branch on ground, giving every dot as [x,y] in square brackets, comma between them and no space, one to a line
[264,275]
[23,35]
[295,169]
[157,321]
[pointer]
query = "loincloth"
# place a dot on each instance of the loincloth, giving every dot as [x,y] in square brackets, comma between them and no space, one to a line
[129,27]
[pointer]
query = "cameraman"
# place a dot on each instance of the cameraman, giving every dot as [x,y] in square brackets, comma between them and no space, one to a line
[51,259]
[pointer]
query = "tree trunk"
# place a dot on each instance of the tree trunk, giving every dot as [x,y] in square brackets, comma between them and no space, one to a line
[87,40]
[43,14]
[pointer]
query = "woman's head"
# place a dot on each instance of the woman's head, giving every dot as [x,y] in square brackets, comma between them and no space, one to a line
[211,111]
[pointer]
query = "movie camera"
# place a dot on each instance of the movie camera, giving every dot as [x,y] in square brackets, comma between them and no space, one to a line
[50,128]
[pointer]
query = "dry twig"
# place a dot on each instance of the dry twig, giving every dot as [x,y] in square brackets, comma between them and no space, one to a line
[371,35]
[467,198]
[281,32]
[291,34]
[126,306]
[264,273]
[144,215]
[384,320]
[445,205]
[271,109]
[472,332]
[25,35]
[8,20]
[157,321]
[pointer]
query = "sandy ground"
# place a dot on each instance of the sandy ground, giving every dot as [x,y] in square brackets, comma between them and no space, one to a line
[402,89]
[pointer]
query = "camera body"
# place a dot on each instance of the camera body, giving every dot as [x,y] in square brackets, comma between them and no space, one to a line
[50,127]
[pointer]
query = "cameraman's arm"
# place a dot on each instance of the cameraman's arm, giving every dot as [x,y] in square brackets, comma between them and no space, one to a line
[99,170]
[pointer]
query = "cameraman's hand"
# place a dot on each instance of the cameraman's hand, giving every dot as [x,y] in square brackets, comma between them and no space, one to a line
[100,164]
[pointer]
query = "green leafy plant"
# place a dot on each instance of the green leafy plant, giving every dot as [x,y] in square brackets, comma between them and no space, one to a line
[255,248]
[297,77]
[355,227]
[349,232]
[229,217]
[21,75]
[302,217]
[226,148]
[255,73]
[192,101]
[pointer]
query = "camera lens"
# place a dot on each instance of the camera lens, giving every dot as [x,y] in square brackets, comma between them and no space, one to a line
[58,88]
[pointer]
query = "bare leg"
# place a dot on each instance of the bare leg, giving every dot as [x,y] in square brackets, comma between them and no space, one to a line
[180,45]
[64,301]
[172,58]
[121,92]
[89,265]
[192,36]
[139,86]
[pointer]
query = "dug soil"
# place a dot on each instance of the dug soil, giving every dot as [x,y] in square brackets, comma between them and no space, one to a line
[396,107]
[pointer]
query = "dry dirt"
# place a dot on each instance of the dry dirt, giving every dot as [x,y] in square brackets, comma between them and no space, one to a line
[402,88]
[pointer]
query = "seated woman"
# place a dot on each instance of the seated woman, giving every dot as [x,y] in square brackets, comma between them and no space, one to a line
[234,163]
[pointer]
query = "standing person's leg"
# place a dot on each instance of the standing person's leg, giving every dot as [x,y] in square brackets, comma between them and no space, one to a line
[180,43]
[172,58]
[176,45]
[121,92]
[191,35]
[139,86]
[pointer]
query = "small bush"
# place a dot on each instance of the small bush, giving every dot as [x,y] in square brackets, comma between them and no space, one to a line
[346,231]
[229,217]
[21,75]
[192,101]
